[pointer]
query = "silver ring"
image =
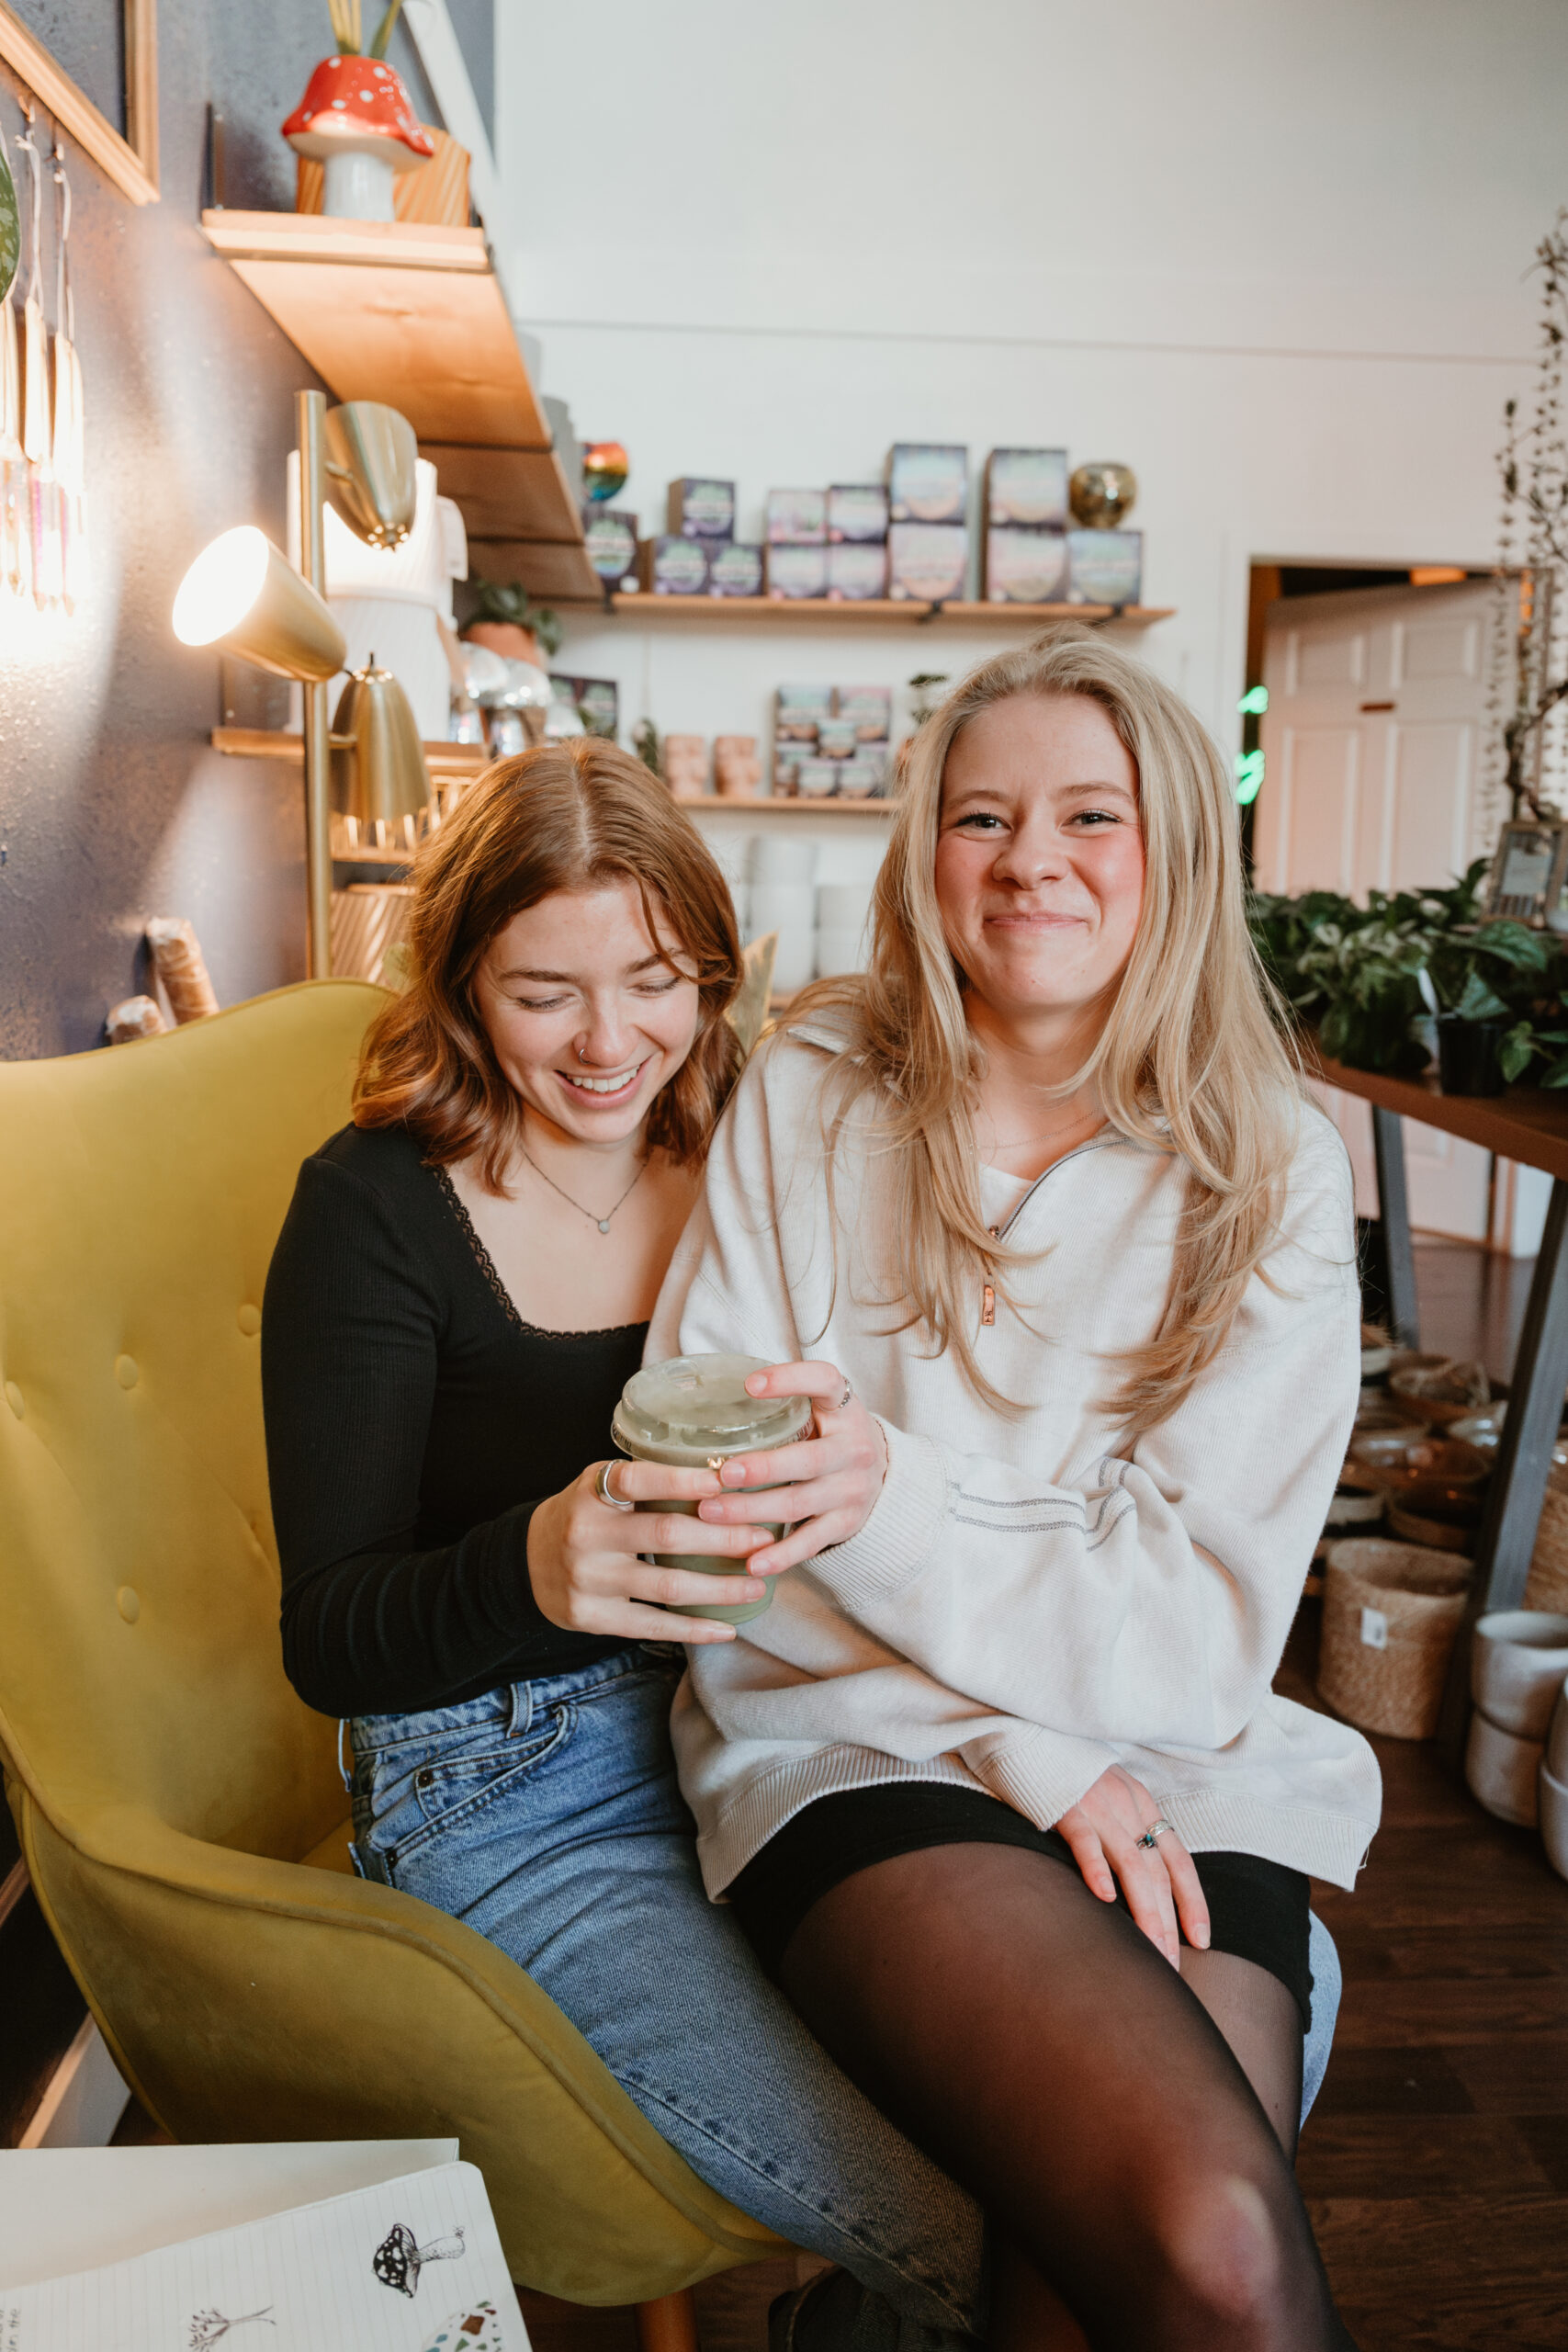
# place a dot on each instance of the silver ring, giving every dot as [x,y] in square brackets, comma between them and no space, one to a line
[843,1401]
[1153,1833]
[603,1489]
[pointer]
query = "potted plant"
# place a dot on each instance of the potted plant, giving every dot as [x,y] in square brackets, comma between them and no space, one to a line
[512,626]
[356,120]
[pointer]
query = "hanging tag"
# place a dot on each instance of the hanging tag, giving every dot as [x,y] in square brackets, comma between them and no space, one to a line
[1374,1629]
[989,1304]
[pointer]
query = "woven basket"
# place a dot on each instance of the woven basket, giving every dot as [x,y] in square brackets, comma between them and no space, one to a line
[1547,1585]
[1390,1615]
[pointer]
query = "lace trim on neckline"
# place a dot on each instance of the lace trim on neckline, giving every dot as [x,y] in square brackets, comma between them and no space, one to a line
[487,1267]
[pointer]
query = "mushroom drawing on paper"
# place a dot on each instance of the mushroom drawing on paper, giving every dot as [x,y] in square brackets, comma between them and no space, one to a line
[397,2261]
[209,2328]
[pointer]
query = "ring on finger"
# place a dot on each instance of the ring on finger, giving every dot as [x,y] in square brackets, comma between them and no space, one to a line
[606,1493]
[1153,1833]
[840,1402]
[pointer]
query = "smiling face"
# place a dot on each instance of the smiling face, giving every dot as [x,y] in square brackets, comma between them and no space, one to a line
[1039,864]
[588,1012]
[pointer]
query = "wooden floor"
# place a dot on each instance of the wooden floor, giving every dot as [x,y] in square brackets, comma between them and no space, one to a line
[1435,2164]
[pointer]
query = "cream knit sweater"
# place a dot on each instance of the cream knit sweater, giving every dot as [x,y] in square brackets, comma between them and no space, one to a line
[1030,1599]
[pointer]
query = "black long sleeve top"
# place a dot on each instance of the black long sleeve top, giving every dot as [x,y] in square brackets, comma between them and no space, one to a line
[413,1420]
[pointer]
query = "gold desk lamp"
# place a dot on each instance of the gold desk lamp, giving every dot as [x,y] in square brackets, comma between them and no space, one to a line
[241,594]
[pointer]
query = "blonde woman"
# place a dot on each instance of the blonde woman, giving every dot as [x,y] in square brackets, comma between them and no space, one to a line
[1038,1216]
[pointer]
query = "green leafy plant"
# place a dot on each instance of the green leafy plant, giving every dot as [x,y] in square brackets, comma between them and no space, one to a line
[645,743]
[511,603]
[1368,977]
[348,29]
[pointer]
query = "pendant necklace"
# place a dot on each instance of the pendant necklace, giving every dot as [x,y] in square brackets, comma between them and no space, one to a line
[602,1221]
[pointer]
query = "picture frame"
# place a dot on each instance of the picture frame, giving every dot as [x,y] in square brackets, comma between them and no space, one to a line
[1529,871]
[131,162]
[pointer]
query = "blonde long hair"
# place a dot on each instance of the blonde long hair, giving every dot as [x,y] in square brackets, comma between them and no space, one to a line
[1189,1058]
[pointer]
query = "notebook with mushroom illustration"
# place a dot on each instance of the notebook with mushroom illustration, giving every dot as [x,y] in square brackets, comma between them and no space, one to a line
[412,2265]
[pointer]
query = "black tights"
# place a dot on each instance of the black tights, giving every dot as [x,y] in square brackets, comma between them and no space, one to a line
[1033,2041]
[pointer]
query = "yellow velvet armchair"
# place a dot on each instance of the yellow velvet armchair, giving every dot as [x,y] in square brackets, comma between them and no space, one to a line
[180,1810]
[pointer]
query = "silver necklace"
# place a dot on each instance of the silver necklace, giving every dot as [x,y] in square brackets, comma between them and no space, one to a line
[602,1221]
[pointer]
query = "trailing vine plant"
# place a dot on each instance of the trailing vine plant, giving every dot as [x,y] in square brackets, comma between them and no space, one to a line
[1529,666]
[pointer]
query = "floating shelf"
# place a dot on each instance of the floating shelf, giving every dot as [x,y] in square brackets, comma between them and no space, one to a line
[716,803]
[401,312]
[886,610]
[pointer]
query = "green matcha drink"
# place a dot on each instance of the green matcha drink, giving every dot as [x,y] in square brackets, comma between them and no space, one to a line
[693,1413]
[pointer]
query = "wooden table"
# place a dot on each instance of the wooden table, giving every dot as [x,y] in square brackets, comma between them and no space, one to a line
[1532,1128]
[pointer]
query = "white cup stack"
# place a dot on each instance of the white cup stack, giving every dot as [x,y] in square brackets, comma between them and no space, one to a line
[1518,1660]
[843,927]
[783,899]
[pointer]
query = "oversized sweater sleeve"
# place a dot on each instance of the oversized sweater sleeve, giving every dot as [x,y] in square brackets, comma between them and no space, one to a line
[1147,1598]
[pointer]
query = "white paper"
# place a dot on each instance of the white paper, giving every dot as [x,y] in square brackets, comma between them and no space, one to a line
[77,2209]
[411,2265]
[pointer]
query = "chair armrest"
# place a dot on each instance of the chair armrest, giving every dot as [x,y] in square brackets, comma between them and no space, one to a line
[251,2000]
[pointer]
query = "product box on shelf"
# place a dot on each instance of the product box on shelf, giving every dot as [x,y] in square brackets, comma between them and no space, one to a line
[857,571]
[799,711]
[816,779]
[794,572]
[870,709]
[857,512]
[1105,567]
[597,701]
[797,518]
[1025,566]
[787,758]
[927,561]
[701,508]
[735,569]
[1027,487]
[610,543]
[675,566]
[837,738]
[865,777]
[928,482]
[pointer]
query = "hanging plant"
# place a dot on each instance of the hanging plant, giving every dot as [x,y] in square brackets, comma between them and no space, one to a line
[10,230]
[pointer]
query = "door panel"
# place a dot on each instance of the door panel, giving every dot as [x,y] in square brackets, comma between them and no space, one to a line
[1371,743]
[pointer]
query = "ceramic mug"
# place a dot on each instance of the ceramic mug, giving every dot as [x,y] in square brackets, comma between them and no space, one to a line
[1517,1662]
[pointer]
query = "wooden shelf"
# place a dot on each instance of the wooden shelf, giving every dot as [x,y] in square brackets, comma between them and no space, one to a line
[400,311]
[447,763]
[718,803]
[886,610]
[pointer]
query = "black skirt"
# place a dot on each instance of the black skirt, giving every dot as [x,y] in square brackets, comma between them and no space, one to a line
[1258,1910]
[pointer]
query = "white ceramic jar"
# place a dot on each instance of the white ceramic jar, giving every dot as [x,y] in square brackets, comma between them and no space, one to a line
[1518,1662]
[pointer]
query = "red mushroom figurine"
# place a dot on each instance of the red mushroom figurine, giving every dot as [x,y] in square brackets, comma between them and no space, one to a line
[356,119]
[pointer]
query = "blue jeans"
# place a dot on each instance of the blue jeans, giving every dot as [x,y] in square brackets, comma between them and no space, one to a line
[547,1816]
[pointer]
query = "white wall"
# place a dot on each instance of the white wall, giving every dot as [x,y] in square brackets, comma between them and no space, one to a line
[1272,256]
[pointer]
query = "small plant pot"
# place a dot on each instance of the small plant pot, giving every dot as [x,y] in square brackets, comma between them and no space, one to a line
[509,638]
[1468,1055]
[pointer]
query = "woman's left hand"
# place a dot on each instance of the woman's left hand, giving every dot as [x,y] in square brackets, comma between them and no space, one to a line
[835,1478]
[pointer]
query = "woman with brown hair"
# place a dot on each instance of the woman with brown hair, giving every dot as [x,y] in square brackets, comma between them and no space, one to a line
[460,1291]
[1038,1215]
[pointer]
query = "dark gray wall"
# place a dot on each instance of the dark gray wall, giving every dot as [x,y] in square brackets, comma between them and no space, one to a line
[113,807]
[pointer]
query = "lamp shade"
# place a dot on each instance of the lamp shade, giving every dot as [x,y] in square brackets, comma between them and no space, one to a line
[241,594]
[370,458]
[384,775]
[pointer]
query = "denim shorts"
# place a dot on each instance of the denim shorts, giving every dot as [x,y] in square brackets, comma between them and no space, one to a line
[547,1816]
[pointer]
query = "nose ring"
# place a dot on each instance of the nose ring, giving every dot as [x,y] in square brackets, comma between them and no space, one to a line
[581,1055]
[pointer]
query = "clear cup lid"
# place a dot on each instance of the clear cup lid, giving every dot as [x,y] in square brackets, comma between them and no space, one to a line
[702,1401]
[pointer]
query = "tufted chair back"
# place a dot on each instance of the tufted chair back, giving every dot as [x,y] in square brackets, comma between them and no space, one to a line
[145,1188]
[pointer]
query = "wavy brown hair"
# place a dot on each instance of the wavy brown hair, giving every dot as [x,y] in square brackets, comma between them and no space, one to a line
[1189,1058]
[577,816]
